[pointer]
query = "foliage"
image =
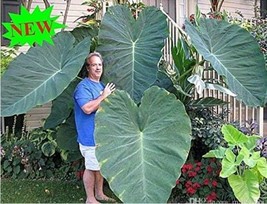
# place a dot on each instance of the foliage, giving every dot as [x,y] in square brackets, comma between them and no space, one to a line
[135,8]
[241,164]
[132,48]
[141,146]
[51,70]
[205,126]
[262,146]
[200,181]
[94,11]
[7,56]
[90,20]
[132,56]
[249,127]
[33,155]
[210,41]
[263,189]
[256,26]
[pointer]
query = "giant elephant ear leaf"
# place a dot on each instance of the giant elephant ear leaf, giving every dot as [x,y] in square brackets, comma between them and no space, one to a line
[234,54]
[142,149]
[62,106]
[132,48]
[41,74]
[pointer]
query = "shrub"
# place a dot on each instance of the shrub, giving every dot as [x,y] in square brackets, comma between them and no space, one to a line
[34,155]
[206,131]
[7,55]
[200,182]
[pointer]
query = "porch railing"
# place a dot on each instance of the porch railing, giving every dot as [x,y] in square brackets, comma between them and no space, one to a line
[238,111]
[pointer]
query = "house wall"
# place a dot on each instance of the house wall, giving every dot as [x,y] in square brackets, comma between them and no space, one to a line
[245,6]
[76,10]
[168,5]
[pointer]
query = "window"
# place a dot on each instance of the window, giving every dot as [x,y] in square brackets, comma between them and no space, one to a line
[8,6]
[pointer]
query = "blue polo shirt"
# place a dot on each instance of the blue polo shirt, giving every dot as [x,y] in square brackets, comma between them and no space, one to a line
[86,91]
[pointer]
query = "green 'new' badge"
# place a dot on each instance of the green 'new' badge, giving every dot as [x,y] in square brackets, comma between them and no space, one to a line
[35,27]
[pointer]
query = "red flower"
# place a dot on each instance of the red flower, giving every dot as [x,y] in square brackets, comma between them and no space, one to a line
[192,174]
[214,183]
[209,169]
[184,169]
[211,197]
[190,190]
[188,184]
[177,182]
[197,168]
[196,185]
[206,181]
[187,167]
[199,163]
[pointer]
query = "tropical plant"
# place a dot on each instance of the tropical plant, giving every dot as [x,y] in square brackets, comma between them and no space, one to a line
[244,167]
[51,70]
[210,41]
[34,155]
[205,134]
[141,149]
[131,50]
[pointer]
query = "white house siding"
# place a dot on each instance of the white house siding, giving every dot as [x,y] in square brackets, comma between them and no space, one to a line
[245,6]
[76,10]
[36,117]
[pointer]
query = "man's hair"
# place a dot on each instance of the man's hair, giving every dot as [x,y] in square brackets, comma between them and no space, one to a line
[92,54]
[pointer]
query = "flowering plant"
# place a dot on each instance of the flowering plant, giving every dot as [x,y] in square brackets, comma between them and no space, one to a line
[200,180]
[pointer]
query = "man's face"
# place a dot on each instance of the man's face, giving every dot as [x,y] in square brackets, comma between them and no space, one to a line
[95,68]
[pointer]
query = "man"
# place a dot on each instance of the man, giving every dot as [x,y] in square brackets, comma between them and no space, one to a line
[87,97]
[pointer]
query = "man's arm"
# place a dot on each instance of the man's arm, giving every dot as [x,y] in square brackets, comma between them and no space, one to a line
[93,105]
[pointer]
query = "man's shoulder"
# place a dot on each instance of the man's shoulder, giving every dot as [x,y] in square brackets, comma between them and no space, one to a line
[84,82]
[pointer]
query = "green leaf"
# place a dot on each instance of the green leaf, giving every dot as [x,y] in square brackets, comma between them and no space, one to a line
[80,33]
[239,158]
[235,54]
[262,166]
[217,153]
[49,148]
[252,160]
[142,149]
[181,57]
[132,49]
[228,165]
[233,135]
[41,74]
[67,135]
[229,155]
[61,106]
[251,143]
[16,169]
[246,187]
[6,164]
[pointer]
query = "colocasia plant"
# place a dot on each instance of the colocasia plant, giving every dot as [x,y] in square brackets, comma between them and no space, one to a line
[242,164]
